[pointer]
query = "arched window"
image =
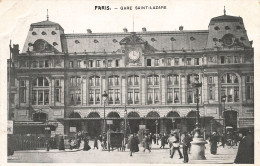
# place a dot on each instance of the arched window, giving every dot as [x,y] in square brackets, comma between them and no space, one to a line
[41,46]
[40,92]
[173,88]
[230,87]
[94,91]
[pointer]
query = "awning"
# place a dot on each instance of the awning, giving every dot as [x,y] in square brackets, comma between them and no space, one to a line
[29,123]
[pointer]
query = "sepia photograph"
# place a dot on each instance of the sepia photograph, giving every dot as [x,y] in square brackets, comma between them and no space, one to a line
[129,82]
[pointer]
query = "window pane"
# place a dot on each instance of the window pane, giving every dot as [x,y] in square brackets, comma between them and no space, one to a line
[40,97]
[97,96]
[156,96]
[176,95]
[40,81]
[176,80]
[236,94]
[117,96]
[34,97]
[110,96]
[156,80]
[97,79]
[136,80]
[46,97]
[150,96]
[91,97]
[57,95]
[170,95]
[136,96]
[170,80]
[130,96]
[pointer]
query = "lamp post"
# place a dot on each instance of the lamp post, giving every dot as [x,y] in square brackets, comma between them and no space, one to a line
[104,97]
[198,143]
[156,123]
[223,99]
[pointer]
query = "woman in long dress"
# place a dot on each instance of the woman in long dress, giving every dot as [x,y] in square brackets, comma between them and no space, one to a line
[86,145]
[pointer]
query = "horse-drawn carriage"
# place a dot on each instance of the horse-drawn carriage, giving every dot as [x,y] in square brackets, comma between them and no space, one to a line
[115,140]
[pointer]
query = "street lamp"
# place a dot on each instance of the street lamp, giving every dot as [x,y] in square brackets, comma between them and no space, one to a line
[223,99]
[104,97]
[198,143]
[156,123]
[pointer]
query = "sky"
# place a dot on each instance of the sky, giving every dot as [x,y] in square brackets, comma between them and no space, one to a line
[77,16]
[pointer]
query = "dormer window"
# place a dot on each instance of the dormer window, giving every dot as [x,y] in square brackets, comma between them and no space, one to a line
[215,39]
[43,33]
[216,28]
[76,41]
[238,27]
[53,33]
[114,40]
[227,28]
[173,39]
[55,44]
[34,33]
[153,39]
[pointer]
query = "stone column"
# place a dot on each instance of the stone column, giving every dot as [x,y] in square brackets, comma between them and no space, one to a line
[183,88]
[143,90]
[163,89]
[217,88]
[123,90]
[204,88]
[52,92]
[84,90]
[242,84]
[62,91]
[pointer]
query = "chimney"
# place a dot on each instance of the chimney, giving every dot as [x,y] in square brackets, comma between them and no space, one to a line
[16,49]
[144,29]
[181,28]
[89,31]
[125,30]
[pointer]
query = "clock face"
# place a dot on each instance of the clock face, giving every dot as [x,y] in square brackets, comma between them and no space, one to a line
[134,55]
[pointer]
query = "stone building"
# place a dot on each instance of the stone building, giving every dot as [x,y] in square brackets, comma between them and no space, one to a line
[58,79]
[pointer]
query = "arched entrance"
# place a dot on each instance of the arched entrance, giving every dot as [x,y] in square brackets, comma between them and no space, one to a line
[93,124]
[151,118]
[75,122]
[173,121]
[116,121]
[40,117]
[191,120]
[230,117]
[134,121]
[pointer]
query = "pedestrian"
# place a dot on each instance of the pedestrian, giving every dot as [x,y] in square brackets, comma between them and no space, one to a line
[191,139]
[146,143]
[72,143]
[48,144]
[95,143]
[223,140]
[61,144]
[163,141]
[175,145]
[245,153]
[186,145]
[133,144]
[213,143]
[86,145]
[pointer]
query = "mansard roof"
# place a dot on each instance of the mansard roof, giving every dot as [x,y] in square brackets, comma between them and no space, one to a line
[47,23]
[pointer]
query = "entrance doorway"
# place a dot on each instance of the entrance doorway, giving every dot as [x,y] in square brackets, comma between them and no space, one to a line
[151,122]
[191,120]
[114,116]
[75,123]
[93,124]
[134,122]
[230,117]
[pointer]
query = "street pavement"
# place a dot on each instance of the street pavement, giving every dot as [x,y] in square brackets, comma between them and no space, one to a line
[156,156]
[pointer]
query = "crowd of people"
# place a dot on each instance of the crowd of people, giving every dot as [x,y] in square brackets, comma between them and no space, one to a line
[244,139]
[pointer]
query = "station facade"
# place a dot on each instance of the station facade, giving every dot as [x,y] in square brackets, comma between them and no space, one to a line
[57,80]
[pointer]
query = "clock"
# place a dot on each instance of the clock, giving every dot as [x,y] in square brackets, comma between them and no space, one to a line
[134,55]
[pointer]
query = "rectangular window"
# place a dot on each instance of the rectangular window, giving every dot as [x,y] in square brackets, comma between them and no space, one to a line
[170,80]
[40,81]
[188,61]
[136,80]
[72,81]
[40,97]
[136,96]
[57,94]
[97,96]
[236,94]
[176,61]
[117,62]
[197,61]
[130,80]
[57,83]
[156,62]
[230,94]
[41,63]
[72,98]
[236,59]
[22,95]
[110,81]
[34,97]
[78,81]
[148,62]
[156,96]
[79,64]
[97,81]
[248,92]
[104,63]
[46,63]
[110,96]
[176,95]
[71,64]
[150,96]
[149,80]
[35,64]
[190,96]
[46,97]
[211,94]
[78,97]
[109,63]
[156,80]
[117,96]
[248,80]
[222,59]
[176,80]
[130,96]
[229,78]
[90,63]
[91,97]
[169,61]
[170,95]
[97,63]
[116,80]
[188,79]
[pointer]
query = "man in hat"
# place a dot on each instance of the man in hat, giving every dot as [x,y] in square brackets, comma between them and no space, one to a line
[186,144]
[174,142]
[245,153]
